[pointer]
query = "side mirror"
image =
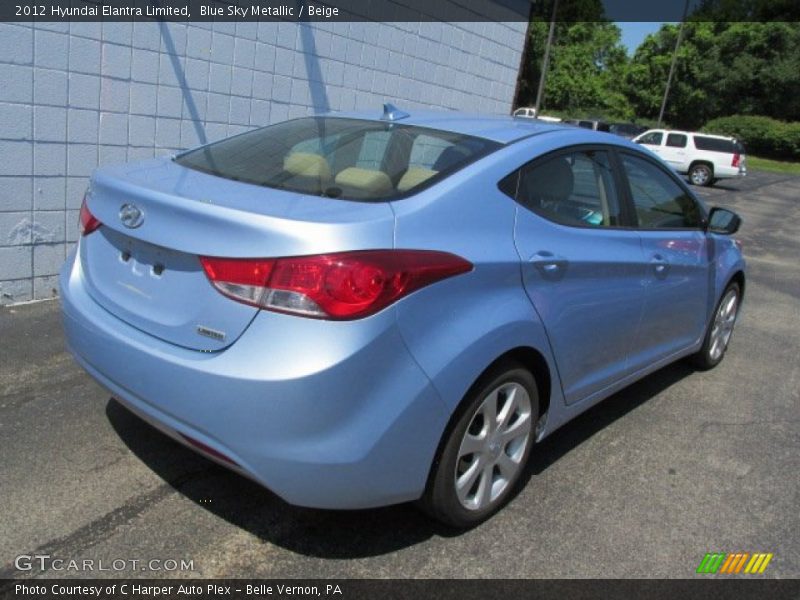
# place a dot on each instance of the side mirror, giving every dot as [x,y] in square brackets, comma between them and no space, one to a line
[723,221]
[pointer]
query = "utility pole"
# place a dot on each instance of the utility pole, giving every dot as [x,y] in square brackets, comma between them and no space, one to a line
[672,65]
[546,61]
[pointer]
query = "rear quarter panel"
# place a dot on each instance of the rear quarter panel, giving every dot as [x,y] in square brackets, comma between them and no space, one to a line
[456,328]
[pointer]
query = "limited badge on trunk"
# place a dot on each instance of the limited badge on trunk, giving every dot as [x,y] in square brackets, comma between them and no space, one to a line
[211,333]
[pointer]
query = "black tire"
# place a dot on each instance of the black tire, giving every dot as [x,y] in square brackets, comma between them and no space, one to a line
[701,174]
[707,357]
[441,500]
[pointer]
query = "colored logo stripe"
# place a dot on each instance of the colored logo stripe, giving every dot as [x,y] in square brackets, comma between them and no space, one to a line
[758,563]
[711,562]
[733,562]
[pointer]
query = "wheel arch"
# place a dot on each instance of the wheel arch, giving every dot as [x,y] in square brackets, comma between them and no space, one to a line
[525,356]
[739,278]
[702,161]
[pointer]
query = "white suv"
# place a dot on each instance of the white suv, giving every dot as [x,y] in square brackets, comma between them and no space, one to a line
[703,157]
[530,113]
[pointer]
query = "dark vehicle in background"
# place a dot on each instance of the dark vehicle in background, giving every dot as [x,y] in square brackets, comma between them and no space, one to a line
[627,130]
[593,124]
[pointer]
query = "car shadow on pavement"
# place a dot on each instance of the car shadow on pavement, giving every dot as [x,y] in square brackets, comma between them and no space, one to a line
[597,418]
[343,534]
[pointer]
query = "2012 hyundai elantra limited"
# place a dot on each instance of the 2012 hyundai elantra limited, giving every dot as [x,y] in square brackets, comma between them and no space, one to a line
[358,310]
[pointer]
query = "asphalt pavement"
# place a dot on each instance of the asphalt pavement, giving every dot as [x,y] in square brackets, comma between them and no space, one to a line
[642,485]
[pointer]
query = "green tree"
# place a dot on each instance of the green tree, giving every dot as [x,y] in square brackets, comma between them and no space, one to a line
[587,63]
[722,68]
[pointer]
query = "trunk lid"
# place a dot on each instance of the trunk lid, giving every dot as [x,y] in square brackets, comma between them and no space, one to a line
[150,275]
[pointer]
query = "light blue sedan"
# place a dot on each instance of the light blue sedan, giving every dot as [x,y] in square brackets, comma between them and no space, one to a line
[361,309]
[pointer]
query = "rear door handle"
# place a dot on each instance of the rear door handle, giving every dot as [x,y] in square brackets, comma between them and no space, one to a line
[660,265]
[548,263]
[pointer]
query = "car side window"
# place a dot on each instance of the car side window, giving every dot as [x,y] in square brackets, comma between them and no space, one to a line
[572,189]
[652,139]
[659,202]
[676,140]
[427,150]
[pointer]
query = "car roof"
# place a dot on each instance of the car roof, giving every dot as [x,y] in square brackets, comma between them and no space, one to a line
[504,129]
[703,133]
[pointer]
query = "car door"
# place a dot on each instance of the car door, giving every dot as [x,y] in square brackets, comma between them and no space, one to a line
[675,253]
[581,269]
[653,141]
[674,151]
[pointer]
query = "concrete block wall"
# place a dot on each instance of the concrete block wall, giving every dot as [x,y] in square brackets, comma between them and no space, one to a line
[77,95]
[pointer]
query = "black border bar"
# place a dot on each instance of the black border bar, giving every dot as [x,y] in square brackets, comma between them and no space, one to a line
[700,588]
[396,10]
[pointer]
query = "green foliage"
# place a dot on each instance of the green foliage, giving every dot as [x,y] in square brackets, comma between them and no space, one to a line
[762,135]
[587,63]
[722,68]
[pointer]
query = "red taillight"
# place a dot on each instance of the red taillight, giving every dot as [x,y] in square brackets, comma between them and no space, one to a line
[736,158]
[346,285]
[88,222]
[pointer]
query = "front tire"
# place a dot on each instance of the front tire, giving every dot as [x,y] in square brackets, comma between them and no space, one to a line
[487,449]
[720,329]
[701,174]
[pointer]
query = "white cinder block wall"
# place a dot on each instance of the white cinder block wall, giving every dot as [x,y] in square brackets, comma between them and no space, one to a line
[77,95]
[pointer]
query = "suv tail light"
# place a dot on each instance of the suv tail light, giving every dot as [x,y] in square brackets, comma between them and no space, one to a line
[347,285]
[736,158]
[87,222]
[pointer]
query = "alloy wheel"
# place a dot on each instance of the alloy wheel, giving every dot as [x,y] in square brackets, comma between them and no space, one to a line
[700,175]
[493,447]
[724,320]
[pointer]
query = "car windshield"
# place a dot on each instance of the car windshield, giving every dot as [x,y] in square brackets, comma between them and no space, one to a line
[339,158]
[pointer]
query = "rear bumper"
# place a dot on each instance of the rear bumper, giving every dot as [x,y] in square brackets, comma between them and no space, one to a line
[729,172]
[324,414]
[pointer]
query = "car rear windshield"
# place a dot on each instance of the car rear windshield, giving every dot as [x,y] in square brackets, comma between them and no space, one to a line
[339,158]
[702,142]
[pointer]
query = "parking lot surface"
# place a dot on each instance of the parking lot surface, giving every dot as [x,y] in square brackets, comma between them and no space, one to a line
[642,485]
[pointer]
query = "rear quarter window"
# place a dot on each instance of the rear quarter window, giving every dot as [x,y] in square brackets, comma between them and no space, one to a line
[676,140]
[710,144]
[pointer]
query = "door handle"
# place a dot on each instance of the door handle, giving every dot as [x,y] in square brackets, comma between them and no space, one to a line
[548,263]
[660,265]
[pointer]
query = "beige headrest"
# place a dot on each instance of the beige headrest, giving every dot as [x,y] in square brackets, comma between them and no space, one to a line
[374,182]
[306,164]
[413,177]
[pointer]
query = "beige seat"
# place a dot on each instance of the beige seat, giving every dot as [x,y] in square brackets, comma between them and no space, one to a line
[363,182]
[413,177]
[308,171]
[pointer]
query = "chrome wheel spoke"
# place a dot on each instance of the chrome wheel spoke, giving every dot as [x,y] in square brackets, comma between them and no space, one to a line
[510,407]
[466,481]
[507,466]
[472,444]
[521,427]
[489,411]
[484,495]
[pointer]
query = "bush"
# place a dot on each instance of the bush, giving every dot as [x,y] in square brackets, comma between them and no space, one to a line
[761,135]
